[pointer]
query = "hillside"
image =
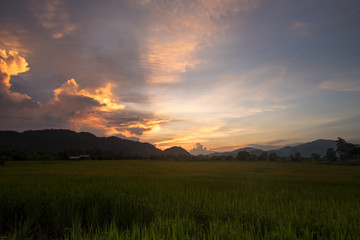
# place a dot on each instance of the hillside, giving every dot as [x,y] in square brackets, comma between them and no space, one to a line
[176,152]
[234,153]
[54,141]
[67,142]
[319,146]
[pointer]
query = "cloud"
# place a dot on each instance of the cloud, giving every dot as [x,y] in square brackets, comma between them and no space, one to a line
[175,72]
[122,55]
[297,25]
[9,39]
[200,149]
[127,138]
[276,142]
[301,28]
[14,106]
[138,124]
[264,147]
[95,109]
[97,45]
[181,31]
[347,86]
[11,64]
[103,95]
[53,16]
[98,109]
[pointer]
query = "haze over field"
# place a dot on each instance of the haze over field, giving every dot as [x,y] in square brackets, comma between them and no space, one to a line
[209,75]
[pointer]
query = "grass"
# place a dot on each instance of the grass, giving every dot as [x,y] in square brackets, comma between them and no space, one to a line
[178,200]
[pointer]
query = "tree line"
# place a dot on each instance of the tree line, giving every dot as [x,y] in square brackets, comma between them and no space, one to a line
[344,151]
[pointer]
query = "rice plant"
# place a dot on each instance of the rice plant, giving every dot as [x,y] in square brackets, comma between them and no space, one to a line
[178,200]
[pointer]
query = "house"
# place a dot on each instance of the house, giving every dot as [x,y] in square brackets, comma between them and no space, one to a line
[80,157]
[350,157]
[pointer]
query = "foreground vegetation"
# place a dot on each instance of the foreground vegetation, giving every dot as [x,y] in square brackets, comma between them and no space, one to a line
[178,200]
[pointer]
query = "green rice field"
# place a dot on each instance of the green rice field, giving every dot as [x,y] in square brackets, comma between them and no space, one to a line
[178,200]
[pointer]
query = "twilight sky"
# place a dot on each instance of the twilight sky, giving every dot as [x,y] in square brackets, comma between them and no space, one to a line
[202,74]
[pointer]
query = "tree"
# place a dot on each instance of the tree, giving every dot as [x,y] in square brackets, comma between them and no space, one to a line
[273,156]
[243,156]
[331,155]
[346,150]
[253,157]
[316,157]
[263,156]
[297,157]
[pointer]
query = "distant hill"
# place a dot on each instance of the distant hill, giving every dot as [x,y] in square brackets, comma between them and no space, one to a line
[55,140]
[176,152]
[250,150]
[319,146]
[67,142]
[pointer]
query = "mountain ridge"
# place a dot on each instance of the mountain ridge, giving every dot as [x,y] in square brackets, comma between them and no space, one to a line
[76,143]
[319,146]
[177,152]
[57,140]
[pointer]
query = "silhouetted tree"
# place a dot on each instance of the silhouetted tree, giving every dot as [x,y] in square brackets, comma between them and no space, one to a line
[347,150]
[62,155]
[297,157]
[273,157]
[263,156]
[243,156]
[331,155]
[18,155]
[253,157]
[316,157]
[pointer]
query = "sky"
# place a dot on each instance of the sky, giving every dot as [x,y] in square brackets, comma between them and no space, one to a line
[206,75]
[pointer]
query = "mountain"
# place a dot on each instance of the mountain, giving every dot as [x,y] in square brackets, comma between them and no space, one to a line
[234,153]
[55,140]
[319,146]
[176,152]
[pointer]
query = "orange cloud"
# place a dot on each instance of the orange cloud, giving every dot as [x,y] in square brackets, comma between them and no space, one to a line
[83,109]
[139,126]
[104,95]
[99,108]
[11,64]
[198,149]
[188,136]
[181,31]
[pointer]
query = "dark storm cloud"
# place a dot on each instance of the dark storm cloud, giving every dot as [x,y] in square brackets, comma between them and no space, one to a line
[67,106]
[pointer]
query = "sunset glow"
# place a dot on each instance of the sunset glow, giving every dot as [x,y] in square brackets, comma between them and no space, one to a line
[214,75]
